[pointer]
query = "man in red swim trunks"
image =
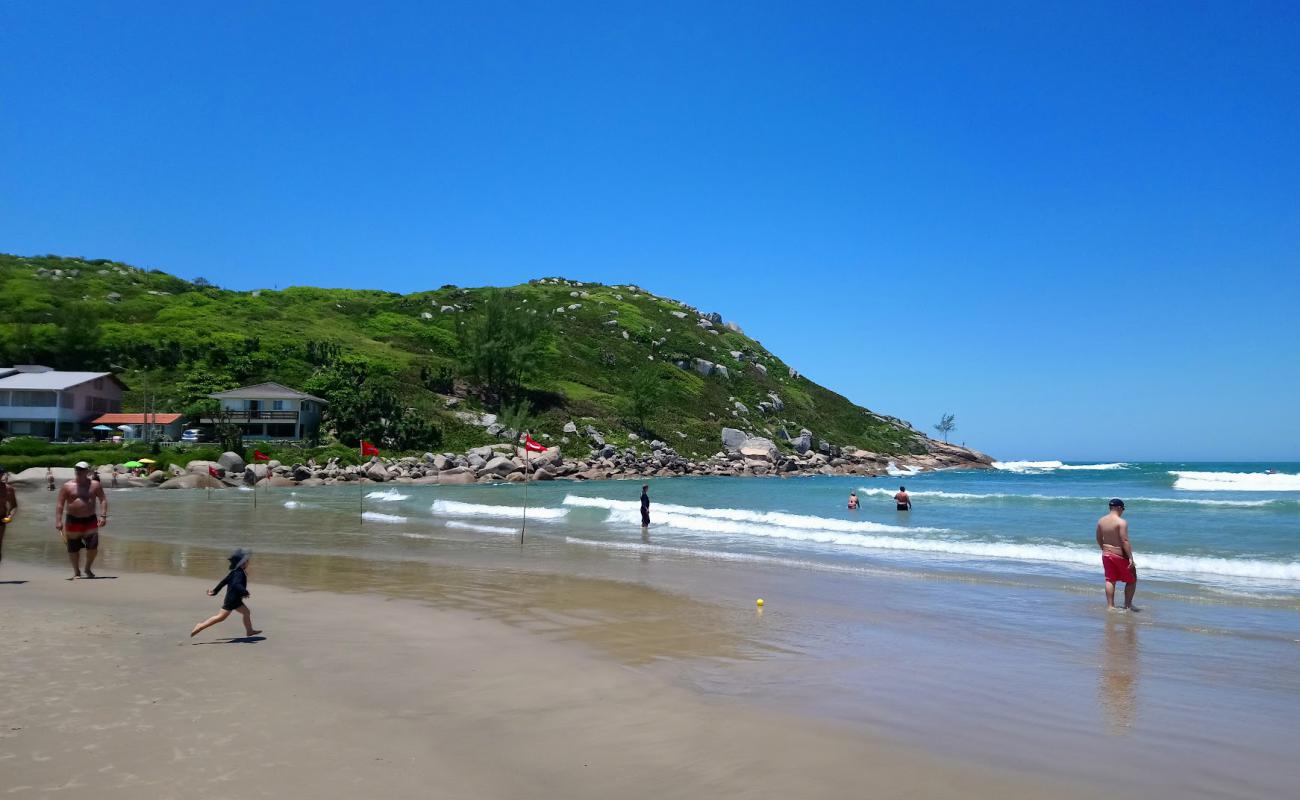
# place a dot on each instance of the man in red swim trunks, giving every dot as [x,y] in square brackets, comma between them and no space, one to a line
[80,527]
[1117,555]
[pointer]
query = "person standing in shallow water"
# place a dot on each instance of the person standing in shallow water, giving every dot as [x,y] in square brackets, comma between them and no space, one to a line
[8,505]
[902,499]
[79,498]
[236,585]
[1117,555]
[853,501]
[645,505]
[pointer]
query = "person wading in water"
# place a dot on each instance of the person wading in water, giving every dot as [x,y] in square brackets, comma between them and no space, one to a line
[80,527]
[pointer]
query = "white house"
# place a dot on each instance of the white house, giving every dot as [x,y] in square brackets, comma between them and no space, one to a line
[40,401]
[270,411]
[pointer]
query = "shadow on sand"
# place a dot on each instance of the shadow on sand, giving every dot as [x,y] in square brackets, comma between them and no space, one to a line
[235,640]
[11,583]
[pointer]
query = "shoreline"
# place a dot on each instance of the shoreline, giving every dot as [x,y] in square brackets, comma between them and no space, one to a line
[465,703]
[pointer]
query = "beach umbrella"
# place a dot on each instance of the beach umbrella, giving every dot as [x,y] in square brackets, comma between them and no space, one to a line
[147,461]
[132,464]
[101,428]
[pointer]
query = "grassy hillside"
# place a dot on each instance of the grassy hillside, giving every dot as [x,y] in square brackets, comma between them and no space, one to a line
[184,340]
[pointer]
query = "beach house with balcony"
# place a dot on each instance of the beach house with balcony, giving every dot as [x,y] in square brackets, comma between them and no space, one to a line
[50,403]
[269,411]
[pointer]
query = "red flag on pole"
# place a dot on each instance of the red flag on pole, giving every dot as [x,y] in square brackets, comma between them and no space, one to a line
[533,446]
[368,449]
[258,455]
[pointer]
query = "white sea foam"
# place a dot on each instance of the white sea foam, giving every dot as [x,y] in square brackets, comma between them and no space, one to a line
[876,491]
[291,503]
[745,516]
[1033,467]
[388,496]
[1028,466]
[901,472]
[455,508]
[375,516]
[470,526]
[1236,481]
[1076,557]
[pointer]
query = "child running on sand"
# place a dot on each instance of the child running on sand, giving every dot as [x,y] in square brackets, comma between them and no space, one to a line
[236,583]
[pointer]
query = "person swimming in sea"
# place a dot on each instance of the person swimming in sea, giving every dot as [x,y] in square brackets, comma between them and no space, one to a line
[903,500]
[236,585]
[853,501]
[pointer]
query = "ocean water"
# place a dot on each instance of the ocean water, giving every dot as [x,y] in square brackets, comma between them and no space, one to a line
[973,624]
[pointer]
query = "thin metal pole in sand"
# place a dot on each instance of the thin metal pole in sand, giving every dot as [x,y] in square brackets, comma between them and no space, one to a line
[524,524]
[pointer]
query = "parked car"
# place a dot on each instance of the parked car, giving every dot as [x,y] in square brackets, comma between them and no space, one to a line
[192,435]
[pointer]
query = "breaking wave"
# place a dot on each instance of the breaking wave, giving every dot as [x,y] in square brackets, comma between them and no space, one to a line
[1192,481]
[387,496]
[1033,467]
[455,508]
[743,517]
[375,516]
[876,491]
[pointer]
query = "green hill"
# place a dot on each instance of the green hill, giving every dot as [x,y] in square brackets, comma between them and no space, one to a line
[396,363]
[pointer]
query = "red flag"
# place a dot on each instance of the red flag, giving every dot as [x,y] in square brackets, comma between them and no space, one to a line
[368,449]
[533,446]
[258,455]
[213,471]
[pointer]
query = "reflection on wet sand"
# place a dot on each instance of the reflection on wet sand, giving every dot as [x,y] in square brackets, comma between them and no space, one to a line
[1117,679]
[635,623]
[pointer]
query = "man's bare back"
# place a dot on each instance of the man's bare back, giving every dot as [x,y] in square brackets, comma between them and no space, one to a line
[1112,535]
[1117,555]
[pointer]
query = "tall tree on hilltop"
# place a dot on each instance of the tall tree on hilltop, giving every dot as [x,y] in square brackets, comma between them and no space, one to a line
[503,345]
[947,424]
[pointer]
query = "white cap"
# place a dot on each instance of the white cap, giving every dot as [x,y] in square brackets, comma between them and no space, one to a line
[82,465]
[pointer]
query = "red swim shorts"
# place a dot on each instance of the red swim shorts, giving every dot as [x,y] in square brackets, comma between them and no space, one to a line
[1118,570]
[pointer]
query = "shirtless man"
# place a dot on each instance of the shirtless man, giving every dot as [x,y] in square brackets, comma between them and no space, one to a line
[80,528]
[8,505]
[1117,555]
[902,500]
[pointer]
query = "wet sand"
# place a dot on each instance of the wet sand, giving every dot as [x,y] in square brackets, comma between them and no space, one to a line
[102,693]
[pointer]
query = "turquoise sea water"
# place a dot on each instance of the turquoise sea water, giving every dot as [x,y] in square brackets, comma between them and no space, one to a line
[974,623]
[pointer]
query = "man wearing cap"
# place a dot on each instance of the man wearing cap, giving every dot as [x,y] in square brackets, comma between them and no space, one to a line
[76,521]
[8,505]
[1117,555]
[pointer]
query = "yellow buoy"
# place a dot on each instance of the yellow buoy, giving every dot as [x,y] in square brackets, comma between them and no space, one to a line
[759,602]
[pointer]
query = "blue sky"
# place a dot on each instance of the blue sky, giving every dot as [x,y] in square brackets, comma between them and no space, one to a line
[1075,226]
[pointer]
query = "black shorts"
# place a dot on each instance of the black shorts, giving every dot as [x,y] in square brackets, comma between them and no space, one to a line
[88,542]
[226,606]
[645,517]
[904,508]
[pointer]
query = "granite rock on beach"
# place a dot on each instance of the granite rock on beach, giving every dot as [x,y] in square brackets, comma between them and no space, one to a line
[742,454]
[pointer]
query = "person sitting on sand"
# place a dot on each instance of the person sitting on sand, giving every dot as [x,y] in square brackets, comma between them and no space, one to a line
[853,501]
[236,584]
[80,528]
[1117,555]
[903,500]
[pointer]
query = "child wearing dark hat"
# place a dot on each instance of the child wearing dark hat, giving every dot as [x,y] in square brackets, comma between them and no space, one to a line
[236,583]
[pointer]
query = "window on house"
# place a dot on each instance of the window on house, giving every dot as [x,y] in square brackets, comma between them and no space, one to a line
[277,405]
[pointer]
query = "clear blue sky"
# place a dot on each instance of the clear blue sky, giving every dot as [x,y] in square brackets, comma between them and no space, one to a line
[1074,225]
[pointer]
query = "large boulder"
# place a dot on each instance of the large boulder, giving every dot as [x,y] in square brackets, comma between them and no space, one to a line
[201,467]
[757,447]
[803,443]
[501,466]
[302,473]
[703,367]
[377,472]
[570,427]
[732,439]
[455,476]
[194,480]
[231,461]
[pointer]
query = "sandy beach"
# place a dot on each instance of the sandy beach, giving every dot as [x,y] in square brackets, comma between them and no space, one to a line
[356,695]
